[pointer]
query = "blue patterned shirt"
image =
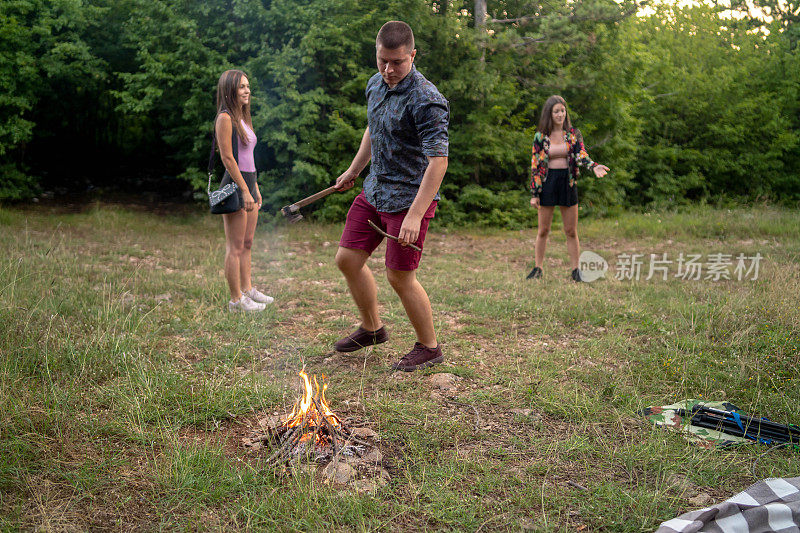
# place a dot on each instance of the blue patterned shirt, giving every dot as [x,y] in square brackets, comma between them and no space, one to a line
[407,124]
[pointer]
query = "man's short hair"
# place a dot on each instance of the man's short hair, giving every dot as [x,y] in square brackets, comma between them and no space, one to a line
[395,34]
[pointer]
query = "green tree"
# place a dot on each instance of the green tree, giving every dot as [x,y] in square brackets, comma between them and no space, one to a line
[17,93]
[42,56]
[715,116]
[104,91]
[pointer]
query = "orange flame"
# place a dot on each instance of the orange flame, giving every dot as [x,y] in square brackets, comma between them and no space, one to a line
[305,409]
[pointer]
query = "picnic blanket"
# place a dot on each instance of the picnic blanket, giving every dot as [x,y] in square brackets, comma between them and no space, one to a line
[769,505]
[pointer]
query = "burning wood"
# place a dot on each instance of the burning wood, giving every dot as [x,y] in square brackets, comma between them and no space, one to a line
[314,432]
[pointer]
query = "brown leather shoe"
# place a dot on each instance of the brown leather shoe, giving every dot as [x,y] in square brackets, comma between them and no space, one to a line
[361,338]
[420,356]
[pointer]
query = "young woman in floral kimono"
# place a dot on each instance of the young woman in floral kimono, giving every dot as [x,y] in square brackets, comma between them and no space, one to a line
[557,153]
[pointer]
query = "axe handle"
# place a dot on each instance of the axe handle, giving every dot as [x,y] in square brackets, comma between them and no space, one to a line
[314,197]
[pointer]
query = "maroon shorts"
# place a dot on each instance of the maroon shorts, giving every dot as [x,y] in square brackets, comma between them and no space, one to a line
[359,235]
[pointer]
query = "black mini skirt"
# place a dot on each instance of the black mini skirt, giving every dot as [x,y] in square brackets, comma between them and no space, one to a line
[249,179]
[556,189]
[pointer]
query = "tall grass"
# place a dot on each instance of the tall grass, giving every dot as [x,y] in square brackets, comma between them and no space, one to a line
[125,386]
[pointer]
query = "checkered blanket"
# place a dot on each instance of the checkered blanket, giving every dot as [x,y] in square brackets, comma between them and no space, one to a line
[769,505]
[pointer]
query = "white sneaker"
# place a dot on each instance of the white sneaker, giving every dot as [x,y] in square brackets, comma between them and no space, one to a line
[258,296]
[245,304]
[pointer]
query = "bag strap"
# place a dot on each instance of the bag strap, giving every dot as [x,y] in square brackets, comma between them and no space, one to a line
[234,147]
[211,161]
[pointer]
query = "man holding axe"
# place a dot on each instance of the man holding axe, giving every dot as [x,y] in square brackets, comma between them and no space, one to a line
[406,140]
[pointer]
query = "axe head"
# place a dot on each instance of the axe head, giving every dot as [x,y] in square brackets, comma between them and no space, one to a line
[291,213]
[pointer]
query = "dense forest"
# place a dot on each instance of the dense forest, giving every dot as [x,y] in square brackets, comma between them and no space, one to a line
[685,103]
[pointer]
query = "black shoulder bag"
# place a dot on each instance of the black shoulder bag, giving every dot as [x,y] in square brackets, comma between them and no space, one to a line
[225,199]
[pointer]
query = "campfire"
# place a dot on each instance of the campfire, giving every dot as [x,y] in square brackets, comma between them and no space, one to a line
[314,433]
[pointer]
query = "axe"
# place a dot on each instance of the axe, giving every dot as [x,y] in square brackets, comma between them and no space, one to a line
[292,212]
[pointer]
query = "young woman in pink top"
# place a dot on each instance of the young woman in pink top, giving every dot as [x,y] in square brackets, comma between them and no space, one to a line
[236,139]
[557,153]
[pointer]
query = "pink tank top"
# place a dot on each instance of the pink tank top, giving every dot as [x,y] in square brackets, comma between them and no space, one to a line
[245,151]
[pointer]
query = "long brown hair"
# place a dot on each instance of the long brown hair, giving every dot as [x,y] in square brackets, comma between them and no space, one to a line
[227,87]
[546,122]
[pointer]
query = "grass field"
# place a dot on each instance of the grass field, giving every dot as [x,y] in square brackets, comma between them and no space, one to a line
[126,388]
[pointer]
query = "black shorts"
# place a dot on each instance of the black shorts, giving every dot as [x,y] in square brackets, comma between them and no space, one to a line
[249,179]
[556,189]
